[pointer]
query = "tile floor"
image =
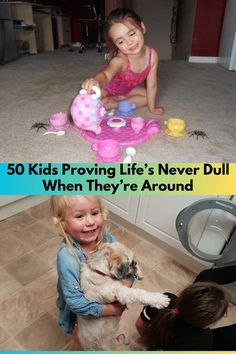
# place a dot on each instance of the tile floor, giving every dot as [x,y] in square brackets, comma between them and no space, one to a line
[28,246]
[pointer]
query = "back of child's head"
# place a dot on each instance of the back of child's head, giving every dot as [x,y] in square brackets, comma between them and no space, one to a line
[120,15]
[202,304]
[61,203]
[199,305]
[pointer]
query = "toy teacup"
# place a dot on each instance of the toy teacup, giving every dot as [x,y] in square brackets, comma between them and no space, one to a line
[125,108]
[58,121]
[137,124]
[107,150]
[175,127]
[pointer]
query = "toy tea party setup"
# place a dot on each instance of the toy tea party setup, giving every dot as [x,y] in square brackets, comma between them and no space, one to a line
[106,134]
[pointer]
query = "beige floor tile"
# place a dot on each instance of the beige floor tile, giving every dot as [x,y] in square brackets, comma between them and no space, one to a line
[7,229]
[3,335]
[53,310]
[43,334]
[21,219]
[10,344]
[137,345]
[40,211]
[48,221]
[148,254]
[44,289]
[156,281]
[8,284]
[174,271]
[18,311]
[48,250]
[111,227]
[27,268]
[126,237]
[11,248]
[35,234]
[143,267]
[128,319]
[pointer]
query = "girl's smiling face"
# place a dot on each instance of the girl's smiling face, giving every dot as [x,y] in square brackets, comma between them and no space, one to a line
[83,220]
[129,38]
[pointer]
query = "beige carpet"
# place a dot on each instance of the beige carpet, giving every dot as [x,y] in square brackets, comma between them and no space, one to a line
[33,87]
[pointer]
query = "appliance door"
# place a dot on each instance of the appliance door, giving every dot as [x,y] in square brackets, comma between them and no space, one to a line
[207,229]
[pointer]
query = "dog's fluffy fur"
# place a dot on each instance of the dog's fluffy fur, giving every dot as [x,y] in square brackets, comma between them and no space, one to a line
[101,277]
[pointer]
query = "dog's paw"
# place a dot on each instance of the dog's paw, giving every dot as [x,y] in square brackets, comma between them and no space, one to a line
[162,301]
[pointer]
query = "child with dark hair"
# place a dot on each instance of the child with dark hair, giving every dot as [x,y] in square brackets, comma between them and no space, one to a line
[185,324]
[131,64]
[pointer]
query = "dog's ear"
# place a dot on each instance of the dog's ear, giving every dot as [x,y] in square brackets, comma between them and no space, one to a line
[118,265]
[137,271]
[119,268]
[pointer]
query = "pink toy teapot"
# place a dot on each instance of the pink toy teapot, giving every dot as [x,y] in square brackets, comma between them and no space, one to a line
[87,110]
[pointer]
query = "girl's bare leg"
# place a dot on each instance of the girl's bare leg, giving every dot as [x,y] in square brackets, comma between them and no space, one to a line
[138,96]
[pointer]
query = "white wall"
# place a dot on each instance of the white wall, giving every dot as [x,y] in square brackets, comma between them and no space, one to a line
[227,52]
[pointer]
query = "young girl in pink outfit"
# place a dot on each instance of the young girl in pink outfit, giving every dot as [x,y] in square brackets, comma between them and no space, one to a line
[131,64]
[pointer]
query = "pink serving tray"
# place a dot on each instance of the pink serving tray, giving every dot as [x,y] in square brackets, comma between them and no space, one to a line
[125,135]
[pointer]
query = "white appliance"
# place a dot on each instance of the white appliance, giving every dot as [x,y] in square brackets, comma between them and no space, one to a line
[207,230]
[227,52]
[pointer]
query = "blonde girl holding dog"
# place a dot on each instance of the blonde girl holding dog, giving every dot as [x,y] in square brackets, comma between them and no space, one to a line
[132,64]
[80,220]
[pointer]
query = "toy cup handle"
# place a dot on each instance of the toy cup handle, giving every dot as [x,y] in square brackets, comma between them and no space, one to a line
[95,147]
[97,93]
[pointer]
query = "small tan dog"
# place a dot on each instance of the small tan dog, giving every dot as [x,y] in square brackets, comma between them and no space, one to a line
[101,277]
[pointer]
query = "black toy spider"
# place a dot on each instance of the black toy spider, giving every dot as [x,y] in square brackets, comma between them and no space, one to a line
[198,133]
[40,126]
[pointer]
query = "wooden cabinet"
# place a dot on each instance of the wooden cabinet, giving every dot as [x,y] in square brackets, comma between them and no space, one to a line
[44,36]
[40,37]
[22,11]
[63,30]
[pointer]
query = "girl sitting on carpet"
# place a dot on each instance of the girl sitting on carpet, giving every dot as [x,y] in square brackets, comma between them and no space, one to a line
[132,63]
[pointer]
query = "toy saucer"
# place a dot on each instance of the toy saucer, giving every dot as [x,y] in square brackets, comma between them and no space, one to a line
[116,122]
[175,133]
[112,159]
[56,128]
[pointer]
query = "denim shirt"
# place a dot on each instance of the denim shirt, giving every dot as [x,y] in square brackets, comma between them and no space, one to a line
[71,299]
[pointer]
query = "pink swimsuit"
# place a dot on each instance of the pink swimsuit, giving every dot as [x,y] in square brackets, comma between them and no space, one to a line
[124,81]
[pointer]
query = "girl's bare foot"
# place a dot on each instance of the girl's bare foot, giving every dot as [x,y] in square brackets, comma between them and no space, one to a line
[109,103]
[158,110]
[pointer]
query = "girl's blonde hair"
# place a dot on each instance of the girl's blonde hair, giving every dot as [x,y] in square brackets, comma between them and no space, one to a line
[59,204]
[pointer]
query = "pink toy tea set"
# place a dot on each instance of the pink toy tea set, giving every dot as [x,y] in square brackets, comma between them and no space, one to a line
[106,134]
